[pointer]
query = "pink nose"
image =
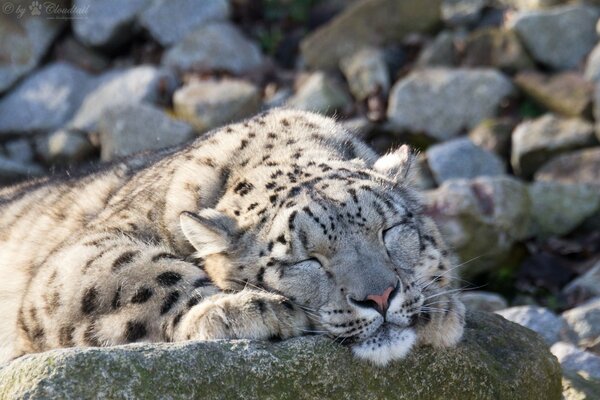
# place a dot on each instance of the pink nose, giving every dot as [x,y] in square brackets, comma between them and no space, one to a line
[382,299]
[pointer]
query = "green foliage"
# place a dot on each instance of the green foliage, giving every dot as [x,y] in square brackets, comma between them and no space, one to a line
[529,109]
[296,11]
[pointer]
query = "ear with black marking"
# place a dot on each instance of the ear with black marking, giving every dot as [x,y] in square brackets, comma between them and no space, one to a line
[209,231]
[398,164]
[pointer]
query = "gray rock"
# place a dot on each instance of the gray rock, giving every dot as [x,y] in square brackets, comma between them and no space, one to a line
[530,4]
[566,93]
[24,42]
[536,141]
[218,46]
[141,84]
[44,101]
[64,147]
[498,48]
[19,150]
[423,178]
[496,359]
[443,102]
[494,135]
[209,104]
[539,319]
[12,170]
[580,166]
[592,66]
[579,387]
[365,23]
[481,219]
[460,158]
[107,23]
[441,52]
[560,37]
[320,93]
[483,301]
[169,21]
[559,208]
[75,53]
[585,286]
[584,323]
[366,73]
[137,127]
[462,12]
[575,359]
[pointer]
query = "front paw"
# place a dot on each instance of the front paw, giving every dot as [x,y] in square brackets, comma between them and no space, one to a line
[244,315]
[443,324]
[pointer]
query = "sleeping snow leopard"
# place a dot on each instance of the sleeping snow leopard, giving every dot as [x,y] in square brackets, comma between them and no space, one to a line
[275,227]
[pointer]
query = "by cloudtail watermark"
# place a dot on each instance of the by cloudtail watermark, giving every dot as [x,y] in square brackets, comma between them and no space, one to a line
[44,9]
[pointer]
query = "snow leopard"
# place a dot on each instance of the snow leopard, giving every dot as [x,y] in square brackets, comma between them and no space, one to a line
[278,226]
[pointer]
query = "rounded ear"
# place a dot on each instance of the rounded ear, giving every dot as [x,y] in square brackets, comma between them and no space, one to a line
[398,164]
[209,231]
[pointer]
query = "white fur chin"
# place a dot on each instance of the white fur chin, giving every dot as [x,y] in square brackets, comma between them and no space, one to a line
[387,344]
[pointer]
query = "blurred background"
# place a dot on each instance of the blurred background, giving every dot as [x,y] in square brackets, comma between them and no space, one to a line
[499,96]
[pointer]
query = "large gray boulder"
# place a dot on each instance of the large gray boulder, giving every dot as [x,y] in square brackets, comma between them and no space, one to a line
[445,102]
[496,359]
[552,327]
[320,93]
[580,166]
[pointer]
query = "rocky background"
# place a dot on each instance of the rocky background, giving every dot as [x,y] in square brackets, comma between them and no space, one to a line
[499,96]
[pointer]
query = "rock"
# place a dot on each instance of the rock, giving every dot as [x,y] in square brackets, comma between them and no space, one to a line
[483,301]
[443,102]
[584,322]
[560,37]
[580,166]
[64,147]
[169,21]
[530,4]
[366,73]
[24,40]
[575,359]
[107,23]
[494,135]
[497,48]
[209,104]
[564,93]
[460,158]
[592,66]
[423,179]
[462,12]
[481,219]
[539,319]
[441,52]
[585,286]
[536,141]
[73,52]
[496,359]
[13,170]
[578,387]
[19,150]
[215,47]
[559,208]
[320,93]
[368,22]
[137,127]
[141,84]
[44,101]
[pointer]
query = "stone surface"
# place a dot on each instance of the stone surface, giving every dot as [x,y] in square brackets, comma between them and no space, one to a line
[481,219]
[531,4]
[574,359]
[443,102]
[368,22]
[440,52]
[169,21]
[586,285]
[536,141]
[366,73]
[460,158]
[64,147]
[592,66]
[209,104]
[578,387]
[539,319]
[462,12]
[559,208]
[496,359]
[141,84]
[560,37]
[483,301]
[44,101]
[215,47]
[132,128]
[11,170]
[494,135]
[580,166]
[24,43]
[107,23]
[566,93]
[584,323]
[321,93]
[498,48]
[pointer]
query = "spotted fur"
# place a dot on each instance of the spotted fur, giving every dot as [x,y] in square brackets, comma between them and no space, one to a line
[278,226]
